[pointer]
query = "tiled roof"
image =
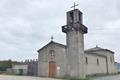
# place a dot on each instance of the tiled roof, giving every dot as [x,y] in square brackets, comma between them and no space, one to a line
[95,49]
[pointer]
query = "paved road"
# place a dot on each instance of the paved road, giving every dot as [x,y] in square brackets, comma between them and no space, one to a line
[9,77]
[115,77]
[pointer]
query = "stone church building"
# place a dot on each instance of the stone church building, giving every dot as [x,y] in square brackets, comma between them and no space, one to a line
[58,60]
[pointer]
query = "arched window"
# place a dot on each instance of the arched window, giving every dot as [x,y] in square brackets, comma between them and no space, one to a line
[71,17]
[98,62]
[86,60]
[52,55]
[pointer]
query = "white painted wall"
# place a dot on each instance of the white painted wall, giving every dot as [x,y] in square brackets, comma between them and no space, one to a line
[111,64]
[92,67]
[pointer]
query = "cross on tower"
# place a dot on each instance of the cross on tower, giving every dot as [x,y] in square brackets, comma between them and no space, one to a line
[74,6]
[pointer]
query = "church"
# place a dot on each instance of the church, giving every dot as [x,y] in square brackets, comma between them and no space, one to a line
[58,60]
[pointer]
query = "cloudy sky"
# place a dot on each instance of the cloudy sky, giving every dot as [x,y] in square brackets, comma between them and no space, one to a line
[27,25]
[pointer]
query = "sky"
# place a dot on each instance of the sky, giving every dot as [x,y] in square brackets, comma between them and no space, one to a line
[27,25]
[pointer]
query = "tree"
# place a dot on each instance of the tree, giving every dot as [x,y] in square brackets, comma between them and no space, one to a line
[6,64]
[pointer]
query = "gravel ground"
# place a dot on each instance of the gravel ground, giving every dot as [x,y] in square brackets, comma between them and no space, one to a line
[9,77]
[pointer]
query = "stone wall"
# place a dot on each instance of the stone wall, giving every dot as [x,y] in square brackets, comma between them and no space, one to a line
[43,60]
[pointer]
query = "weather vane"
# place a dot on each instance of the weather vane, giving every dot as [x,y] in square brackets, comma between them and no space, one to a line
[74,6]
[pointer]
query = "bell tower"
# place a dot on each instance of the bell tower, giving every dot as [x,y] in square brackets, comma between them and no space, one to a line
[75,31]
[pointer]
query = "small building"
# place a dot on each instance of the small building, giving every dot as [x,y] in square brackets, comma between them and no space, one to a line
[20,69]
[29,67]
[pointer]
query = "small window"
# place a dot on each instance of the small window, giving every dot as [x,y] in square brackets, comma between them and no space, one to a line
[86,60]
[71,17]
[98,62]
[80,17]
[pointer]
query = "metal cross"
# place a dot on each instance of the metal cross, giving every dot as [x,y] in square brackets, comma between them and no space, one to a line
[96,46]
[74,6]
[52,38]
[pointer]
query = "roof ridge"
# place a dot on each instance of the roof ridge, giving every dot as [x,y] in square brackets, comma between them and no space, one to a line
[94,48]
[58,43]
[97,49]
[62,45]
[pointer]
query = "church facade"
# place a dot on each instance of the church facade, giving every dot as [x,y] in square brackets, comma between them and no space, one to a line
[58,60]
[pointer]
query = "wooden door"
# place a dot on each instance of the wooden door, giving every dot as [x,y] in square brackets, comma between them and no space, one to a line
[52,69]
